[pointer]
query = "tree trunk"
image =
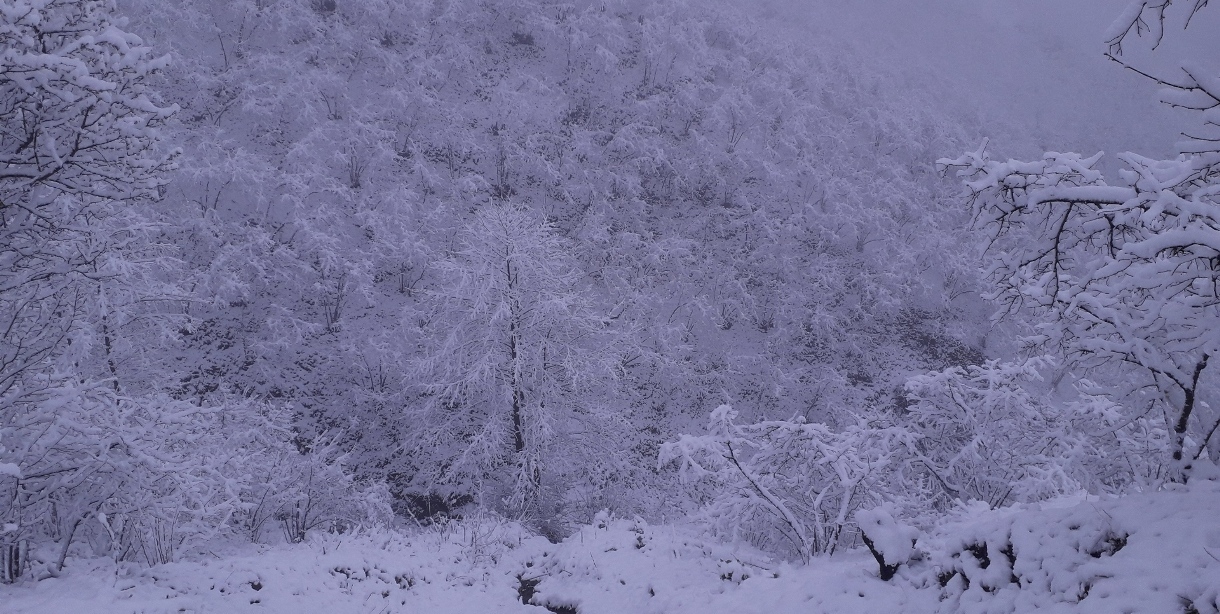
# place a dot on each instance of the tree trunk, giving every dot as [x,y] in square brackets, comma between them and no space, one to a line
[1180,469]
[12,560]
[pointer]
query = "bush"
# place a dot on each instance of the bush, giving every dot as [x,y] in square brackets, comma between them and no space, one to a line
[794,484]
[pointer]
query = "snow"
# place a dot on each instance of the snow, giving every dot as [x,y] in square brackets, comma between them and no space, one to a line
[894,540]
[1081,194]
[1124,21]
[457,569]
[1151,552]
[817,228]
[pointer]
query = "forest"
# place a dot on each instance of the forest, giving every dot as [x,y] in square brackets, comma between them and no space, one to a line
[515,287]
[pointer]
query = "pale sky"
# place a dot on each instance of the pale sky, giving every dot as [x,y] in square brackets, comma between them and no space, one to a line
[1038,62]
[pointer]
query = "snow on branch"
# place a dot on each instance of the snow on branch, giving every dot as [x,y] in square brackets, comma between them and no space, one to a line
[1121,274]
[1196,89]
[793,483]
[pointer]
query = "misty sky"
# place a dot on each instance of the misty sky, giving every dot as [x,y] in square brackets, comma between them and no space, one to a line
[1037,62]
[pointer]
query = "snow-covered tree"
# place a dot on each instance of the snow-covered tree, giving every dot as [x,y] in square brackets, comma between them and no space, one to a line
[1125,275]
[92,293]
[1122,271]
[79,152]
[79,148]
[514,385]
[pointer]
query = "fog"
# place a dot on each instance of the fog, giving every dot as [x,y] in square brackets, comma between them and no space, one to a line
[1037,65]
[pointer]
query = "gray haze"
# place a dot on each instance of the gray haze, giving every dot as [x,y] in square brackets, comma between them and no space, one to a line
[1036,64]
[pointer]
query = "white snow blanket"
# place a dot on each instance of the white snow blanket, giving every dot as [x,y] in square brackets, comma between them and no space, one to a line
[1155,552]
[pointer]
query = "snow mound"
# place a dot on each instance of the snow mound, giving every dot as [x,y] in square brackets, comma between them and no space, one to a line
[893,540]
[1153,552]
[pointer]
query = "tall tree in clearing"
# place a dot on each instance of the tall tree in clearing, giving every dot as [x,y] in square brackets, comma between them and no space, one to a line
[518,352]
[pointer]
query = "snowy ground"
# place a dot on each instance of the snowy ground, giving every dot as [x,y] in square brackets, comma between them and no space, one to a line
[1156,553]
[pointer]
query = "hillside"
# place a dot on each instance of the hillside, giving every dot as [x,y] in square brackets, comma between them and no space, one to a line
[415,302]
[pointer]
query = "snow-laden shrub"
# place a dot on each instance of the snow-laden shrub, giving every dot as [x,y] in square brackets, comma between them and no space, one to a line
[983,435]
[790,485]
[302,491]
[143,479]
[135,477]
